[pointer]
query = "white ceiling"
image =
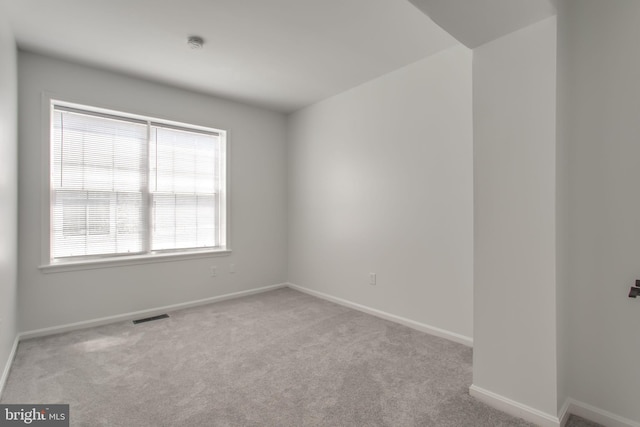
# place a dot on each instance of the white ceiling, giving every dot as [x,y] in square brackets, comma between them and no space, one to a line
[475,22]
[282,54]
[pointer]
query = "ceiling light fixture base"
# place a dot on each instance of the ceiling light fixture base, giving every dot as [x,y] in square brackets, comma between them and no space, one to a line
[195,42]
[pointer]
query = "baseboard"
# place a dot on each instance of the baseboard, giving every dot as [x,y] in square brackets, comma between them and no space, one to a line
[598,415]
[514,408]
[143,313]
[7,366]
[564,413]
[432,330]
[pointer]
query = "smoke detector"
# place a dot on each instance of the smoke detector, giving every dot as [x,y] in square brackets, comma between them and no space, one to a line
[195,42]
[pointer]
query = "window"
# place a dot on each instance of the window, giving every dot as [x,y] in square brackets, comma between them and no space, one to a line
[125,185]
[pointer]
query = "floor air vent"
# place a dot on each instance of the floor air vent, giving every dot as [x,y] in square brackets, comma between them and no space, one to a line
[149,319]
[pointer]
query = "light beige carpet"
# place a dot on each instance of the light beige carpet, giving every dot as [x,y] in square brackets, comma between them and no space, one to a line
[281,358]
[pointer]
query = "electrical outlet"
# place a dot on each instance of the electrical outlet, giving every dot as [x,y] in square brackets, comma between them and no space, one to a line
[372,279]
[213,271]
[232,268]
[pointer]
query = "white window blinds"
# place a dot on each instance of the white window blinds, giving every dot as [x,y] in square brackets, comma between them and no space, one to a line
[98,181]
[127,186]
[184,184]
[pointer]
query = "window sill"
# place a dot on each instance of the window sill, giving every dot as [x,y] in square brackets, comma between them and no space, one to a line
[129,260]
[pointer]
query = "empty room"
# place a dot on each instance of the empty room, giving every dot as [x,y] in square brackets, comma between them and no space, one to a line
[319,213]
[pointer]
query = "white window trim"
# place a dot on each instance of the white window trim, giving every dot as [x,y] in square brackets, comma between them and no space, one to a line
[49,266]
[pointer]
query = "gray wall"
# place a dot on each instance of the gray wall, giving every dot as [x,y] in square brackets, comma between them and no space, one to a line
[380,180]
[8,193]
[600,111]
[514,105]
[258,214]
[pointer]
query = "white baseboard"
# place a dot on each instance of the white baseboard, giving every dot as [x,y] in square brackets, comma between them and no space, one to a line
[514,408]
[598,415]
[564,413]
[7,366]
[432,330]
[142,313]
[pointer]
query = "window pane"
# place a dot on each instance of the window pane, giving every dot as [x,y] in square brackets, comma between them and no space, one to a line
[184,180]
[184,221]
[98,179]
[183,162]
[98,153]
[97,223]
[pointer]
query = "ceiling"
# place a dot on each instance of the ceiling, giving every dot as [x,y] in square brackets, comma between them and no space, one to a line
[476,22]
[280,54]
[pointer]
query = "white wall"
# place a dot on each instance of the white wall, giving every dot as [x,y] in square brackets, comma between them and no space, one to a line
[258,205]
[380,180]
[601,99]
[514,120]
[8,193]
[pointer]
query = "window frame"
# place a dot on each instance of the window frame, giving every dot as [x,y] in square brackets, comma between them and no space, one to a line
[48,265]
